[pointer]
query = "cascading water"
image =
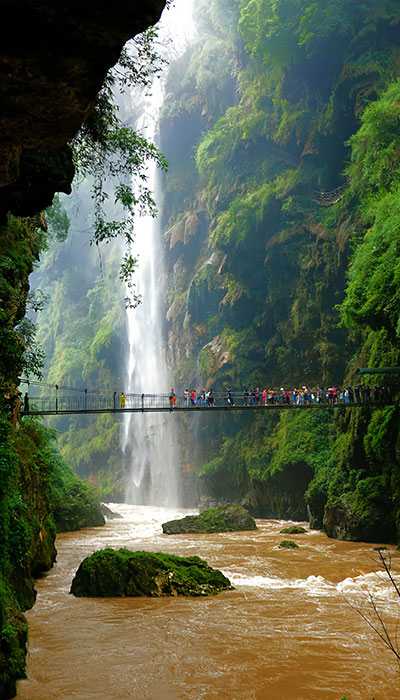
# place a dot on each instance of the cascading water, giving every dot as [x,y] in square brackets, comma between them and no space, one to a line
[150,440]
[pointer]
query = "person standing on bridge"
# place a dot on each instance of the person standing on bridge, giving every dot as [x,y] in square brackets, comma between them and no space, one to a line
[186,396]
[122,400]
[172,399]
[229,397]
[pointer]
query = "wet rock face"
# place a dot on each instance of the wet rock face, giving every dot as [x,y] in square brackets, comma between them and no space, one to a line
[54,57]
[124,573]
[229,518]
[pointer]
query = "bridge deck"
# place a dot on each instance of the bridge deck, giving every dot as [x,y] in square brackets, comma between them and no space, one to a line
[154,403]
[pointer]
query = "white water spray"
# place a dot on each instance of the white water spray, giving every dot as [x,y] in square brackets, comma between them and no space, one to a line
[150,440]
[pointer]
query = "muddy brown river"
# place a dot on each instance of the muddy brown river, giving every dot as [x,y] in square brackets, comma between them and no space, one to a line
[287,631]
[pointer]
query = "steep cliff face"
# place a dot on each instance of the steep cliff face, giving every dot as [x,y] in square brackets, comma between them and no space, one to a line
[54,58]
[262,217]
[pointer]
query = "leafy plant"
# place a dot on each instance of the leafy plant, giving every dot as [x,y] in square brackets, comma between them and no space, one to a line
[116,157]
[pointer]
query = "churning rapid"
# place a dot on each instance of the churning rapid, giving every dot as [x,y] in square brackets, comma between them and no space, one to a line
[287,631]
[150,440]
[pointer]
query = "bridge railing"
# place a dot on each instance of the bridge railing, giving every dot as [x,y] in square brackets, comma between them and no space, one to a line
[99,403]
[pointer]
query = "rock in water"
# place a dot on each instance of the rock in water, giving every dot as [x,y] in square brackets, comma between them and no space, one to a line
[220,519]
[108,513]
[288,544]
[111,573]
[293,530]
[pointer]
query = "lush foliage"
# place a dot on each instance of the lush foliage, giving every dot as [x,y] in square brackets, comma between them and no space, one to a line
[116,157]
[39,493]
[301,286]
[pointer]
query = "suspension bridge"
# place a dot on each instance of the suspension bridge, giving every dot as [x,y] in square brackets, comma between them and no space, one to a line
[150,403]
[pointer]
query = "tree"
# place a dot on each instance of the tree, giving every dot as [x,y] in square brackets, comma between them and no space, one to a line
[114,155]
[370,610]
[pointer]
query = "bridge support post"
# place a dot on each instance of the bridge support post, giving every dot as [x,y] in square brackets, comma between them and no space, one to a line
[142,402]
[56,398]
[114,394]
[85,400]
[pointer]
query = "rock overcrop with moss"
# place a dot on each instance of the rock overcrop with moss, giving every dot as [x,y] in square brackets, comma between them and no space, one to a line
[220,519]
[111,573]
[293,530]
[288,544]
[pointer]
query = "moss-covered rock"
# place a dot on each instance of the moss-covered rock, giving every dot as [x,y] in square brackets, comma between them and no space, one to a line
[293,530]
[288,544]
[365,515]
[124,573]
[220,519]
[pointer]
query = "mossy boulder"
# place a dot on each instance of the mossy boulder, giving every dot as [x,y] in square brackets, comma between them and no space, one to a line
[293,530]
[288,544]
[120,573]
[220,519]
[365,515]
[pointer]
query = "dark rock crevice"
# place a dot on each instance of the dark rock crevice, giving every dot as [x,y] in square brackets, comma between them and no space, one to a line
[53,62]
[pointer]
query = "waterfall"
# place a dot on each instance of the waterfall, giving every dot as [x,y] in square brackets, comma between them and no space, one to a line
[150,440]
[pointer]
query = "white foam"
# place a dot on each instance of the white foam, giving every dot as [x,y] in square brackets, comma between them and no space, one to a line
[313,585]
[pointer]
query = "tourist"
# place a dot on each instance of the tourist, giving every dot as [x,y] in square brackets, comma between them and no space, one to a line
[186,397]
[229,397]
[172,399]
[122,400]
[246,397]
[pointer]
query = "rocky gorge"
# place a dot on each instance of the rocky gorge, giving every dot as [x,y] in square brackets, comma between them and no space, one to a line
[280,223]
[268,200]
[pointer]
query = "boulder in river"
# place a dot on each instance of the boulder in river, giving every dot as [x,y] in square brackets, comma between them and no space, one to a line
[293,530]
[108,513]
[220,519]
[288,544]
[117,573]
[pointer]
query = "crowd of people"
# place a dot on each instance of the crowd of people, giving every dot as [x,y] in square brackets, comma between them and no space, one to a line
[298,396]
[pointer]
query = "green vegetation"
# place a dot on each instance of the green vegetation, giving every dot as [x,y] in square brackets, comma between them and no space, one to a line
[296,292]
[124,573]
[111,153]
[39,494]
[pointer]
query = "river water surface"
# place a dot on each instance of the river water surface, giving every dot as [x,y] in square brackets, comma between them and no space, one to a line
[285,633]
